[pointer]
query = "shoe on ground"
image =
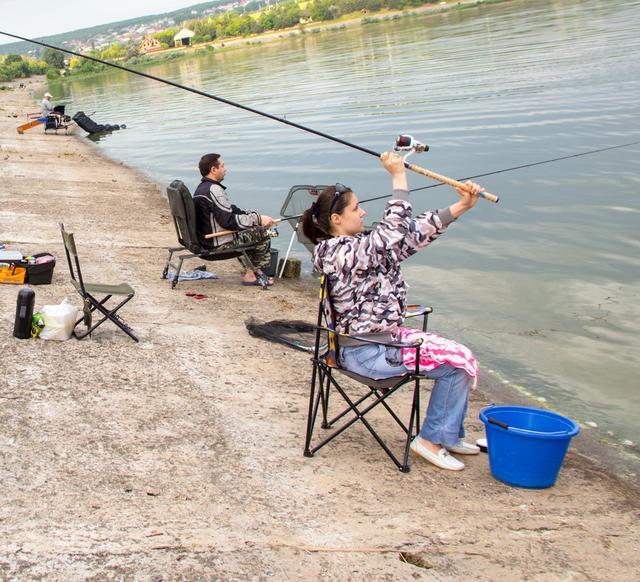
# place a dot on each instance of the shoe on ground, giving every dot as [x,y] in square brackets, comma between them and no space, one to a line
[440,459]
[464,448]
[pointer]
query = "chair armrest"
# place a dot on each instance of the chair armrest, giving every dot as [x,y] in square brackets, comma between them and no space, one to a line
[415,344]
[418,310]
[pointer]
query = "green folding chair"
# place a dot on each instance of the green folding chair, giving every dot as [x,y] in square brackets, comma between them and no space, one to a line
[95,296]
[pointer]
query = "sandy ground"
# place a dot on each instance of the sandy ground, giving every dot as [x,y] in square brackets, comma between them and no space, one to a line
[181,456]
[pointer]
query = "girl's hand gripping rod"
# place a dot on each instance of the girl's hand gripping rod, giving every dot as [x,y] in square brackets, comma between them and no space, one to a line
[407,143]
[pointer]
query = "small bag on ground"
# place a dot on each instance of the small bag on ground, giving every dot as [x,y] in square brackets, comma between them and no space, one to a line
[59,321]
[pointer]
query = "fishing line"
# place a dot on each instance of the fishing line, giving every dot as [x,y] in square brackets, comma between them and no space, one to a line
[412,167]
[417,169]
[198,92]
[511,169]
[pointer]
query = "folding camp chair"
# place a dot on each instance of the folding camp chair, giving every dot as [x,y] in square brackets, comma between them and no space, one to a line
[184,219]
[59,120]
[326,362]
[88,292]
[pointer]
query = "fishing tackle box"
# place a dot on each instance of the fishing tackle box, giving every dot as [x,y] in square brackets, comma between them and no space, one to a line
[36,273]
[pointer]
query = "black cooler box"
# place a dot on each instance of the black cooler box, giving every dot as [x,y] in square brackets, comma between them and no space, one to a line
[42,273]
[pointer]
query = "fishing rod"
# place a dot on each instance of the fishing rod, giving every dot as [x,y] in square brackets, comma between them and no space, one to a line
[412,167]
[407,142]
[512,168]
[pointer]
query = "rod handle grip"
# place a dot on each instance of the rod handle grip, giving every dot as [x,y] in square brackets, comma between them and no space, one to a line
[490,197]
[226,232]
[449,181]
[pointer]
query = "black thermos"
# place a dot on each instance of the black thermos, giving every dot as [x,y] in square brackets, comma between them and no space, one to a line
[24,313]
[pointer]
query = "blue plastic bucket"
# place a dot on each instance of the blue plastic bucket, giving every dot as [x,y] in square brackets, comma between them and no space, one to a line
[526,445]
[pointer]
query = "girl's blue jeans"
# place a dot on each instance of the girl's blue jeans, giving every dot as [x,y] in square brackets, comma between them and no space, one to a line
[444,421]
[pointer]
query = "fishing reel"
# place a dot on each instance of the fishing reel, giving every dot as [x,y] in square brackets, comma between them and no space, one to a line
[407,143]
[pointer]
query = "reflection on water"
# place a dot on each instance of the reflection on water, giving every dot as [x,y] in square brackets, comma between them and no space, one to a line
[544,286]
[100,135]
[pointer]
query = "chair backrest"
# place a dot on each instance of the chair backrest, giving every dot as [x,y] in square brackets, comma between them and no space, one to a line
[72,258]
[326,318]
[184,215]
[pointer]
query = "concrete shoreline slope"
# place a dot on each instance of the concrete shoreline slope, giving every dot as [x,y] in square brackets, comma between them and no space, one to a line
[181,456]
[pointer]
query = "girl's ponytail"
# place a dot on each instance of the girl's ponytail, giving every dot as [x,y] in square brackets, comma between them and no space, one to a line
[316,221]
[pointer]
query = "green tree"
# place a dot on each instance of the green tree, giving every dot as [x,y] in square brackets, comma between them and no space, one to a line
[320,10]
[53,58]
[14,70]
[9,59]
[37,67]
[132,50]
[166,36]
[114,51]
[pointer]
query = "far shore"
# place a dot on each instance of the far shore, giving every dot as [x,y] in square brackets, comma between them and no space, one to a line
[181,456]
[348,21]
[338,24]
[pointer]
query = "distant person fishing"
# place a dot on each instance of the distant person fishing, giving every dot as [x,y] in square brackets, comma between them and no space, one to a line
[47,105]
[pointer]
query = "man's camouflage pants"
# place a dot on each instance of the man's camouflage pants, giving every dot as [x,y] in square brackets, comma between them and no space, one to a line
[259,239]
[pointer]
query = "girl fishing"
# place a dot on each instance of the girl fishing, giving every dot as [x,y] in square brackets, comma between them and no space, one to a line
[368,295]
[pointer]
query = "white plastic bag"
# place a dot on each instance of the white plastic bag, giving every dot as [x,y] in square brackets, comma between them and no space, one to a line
[58,321]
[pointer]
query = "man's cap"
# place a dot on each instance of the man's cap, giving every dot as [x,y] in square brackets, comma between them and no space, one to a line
[48,95]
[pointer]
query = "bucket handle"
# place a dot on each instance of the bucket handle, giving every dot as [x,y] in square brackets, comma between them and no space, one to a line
[516,429]
[498,423]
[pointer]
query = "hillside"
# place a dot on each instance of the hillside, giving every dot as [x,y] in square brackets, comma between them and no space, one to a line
[134,28]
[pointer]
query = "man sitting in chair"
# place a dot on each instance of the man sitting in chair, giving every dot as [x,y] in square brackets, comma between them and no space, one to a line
[215,213]
[56,119]
[47,106]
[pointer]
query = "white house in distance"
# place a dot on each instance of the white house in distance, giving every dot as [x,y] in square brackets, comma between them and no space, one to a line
[183,38]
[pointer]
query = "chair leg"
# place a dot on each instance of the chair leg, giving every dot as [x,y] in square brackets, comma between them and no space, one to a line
[87,320]
[359,414]
[165,271]
[313,409]
[413,422]
[176,273]
[110,314]
[391,411]
[425,322]
[325,388]
[260,276]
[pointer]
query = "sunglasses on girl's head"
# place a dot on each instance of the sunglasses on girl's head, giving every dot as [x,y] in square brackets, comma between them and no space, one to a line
[339,190]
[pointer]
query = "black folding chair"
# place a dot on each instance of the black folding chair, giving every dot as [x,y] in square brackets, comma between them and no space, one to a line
[184,219]
[88,292]
[58,120]
[326,362]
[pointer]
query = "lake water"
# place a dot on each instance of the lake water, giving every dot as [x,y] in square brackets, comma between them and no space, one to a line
[543,286]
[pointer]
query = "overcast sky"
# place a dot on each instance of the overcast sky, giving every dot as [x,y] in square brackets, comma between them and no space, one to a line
[35,18]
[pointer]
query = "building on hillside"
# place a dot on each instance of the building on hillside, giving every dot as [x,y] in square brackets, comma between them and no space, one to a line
[183,38]
[149,44]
